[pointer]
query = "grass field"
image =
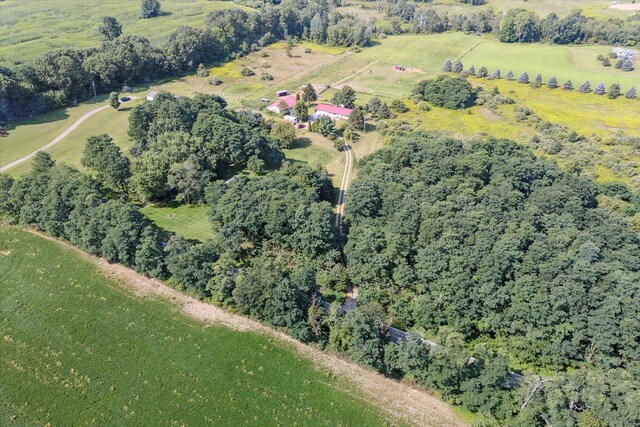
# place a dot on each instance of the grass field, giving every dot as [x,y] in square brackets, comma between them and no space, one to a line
[25,136]
[190,222]
[31,27]
[424,56]
[596,8]
[287,72]
[78,348]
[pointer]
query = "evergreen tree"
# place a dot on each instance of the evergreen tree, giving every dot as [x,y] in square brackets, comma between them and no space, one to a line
[301,111]
[552,83]
[539,79]
[309,94]
[495,75]
[614,91]
[627,65]
[384,112]
[326,126]
[471,71]
[447,66]
[483,72]
[114,101]
[631,93]
[524,78]
[568,85]
[357,120]
[599,89]
[585,87]
[606,62]
[457,67]
[619,63]
[509,75]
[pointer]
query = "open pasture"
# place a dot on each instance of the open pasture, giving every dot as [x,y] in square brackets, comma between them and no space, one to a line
[28,135]
[595,8]
[288,72]
[79,346]
[31,27]
[423,56]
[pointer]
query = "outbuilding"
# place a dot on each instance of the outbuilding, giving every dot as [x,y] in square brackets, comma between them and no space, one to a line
[331,111]
[282,93]
[152,95]
[398,68]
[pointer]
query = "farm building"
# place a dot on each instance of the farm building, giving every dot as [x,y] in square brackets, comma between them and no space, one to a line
[289,101]
[152,95]
[281,93]
[331,111]
[398,68]
[625,53]
[290,119]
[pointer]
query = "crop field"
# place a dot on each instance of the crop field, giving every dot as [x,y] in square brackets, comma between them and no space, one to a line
[31,27]
[78,347]
[190,222]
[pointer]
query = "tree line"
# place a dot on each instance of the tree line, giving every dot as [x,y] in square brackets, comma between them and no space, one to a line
[63,77]
[516,25]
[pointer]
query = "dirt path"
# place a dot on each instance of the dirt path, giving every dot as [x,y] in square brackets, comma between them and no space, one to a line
[58,138]
[399,401]
[348,165]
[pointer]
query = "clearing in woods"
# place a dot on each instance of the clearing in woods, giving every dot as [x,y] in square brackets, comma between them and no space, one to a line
[97,343]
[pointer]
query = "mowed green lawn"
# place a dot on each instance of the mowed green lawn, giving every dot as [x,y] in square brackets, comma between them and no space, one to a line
[79,349]
[31,27]
[190,222]
[26,136]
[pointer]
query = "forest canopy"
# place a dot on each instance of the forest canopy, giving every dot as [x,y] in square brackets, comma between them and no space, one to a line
[499,245]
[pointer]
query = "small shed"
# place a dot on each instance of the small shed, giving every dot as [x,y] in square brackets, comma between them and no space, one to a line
[398,68]
[281,93]
[126,89]
[291,119]
[152,95]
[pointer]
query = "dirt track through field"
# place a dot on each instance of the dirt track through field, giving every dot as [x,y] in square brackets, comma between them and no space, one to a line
[400,402]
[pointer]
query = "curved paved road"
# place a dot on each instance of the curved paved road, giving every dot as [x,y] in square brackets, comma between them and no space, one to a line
[58,138]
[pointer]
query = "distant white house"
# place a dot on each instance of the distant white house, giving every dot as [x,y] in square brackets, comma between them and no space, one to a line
[152,95]
[331,111]
[625,53]
[278,106]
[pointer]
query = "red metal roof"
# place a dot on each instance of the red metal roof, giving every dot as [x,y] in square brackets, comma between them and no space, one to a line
[333,109]
[290,100]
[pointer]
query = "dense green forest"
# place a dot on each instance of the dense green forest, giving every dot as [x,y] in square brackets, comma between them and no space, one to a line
[504,260]
[504,249]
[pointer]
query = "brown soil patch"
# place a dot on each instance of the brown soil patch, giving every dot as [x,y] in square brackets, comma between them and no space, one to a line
[401,402]
[490,115]
[625,6]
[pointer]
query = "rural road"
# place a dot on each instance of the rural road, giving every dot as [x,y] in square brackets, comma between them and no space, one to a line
[343,186]
[58,138]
